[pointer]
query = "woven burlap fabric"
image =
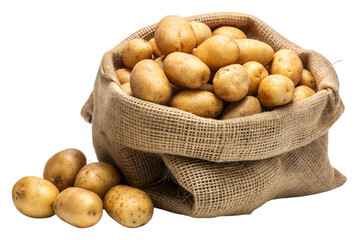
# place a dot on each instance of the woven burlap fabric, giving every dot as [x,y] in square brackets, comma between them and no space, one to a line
[208,167]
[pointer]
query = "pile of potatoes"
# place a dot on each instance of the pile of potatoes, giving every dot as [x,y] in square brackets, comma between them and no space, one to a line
[220,74]
[78,192]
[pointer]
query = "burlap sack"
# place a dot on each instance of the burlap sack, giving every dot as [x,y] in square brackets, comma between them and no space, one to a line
[207,167]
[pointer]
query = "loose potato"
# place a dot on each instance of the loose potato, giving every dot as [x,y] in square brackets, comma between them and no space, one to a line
[123,75]
[231,83]
[199,102]
[61,169]
[232,32]
[98,177]
[307,79]
[174,34]
[128,206]
[275,90]
[207,87]
[201,31]
[126,87]
[135,51]
[256,73]
[79,207]
[246,107]
[186,70]
[287,63]
[34,197]
[301,92]
[218,51]
[160,61]
[155,50]
[149,82]
[254,50]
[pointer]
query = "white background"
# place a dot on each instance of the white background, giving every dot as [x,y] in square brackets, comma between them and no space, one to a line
[49,57]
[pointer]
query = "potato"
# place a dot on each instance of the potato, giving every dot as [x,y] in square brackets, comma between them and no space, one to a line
[199,102]
[126,87]
[149,82]
[128,206]
[174,34]
[287,63]
[61,169]
[307,79]
[34,197]
[135,51]
[254,50]
[207,87]
[155,50]
[301,92]
[123,75]
[256,73]
[246,107]
[218,51]
[275,90]
[231,83]
[201,31]
[98,177]
[186,70]
[79,207]
[232,32]
[160,61]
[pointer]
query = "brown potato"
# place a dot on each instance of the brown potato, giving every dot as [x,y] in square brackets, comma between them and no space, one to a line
[160,61]
[231,83]
[287,63]
[149,82]
[256,73]
[123,75]
[98,177]
[246,107]
[275,90]
[135,51]
[174,34]
[61,169]
[301,92]
[155,50]
[199,102]
[218,51]
[254,50]
[126,87]
[201,31]
[233,32]
[207,87]
[186,70]
[307,79]
[34,197]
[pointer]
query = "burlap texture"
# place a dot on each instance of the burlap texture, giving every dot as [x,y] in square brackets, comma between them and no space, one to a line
[207,167]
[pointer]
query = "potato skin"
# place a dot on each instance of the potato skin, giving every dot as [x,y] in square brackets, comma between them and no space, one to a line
[127,88]
[307,79]
[301,92]
[155,50]
[229,31]
[201,31]
[287,63]
[231,83]
[79,207]
[256,73]
[174,34]
[150,83]
[160,61]
[186,70]
[199,102]
[61,169]
[246,107]
[123,75]
[34,197]
[129,206]
[254,50]
[98,177]
[275,90]
[218,51]
[135,51]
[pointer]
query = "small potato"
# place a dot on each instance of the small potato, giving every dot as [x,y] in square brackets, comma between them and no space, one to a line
[275,90]
[254,50]
[127,88]
[207,87]
[135,51]
[150,83]
[79,207]
[301,92]
[232,32]
[199,102]
[186,70]
[155,50]
[246,107]
[34,197]
[231,83]
[256,73]
[128,206]
[218,51]
[160,61]
[174,34]
[287,63]
[307,79]
[98,177]
[201,31]
[123,75]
